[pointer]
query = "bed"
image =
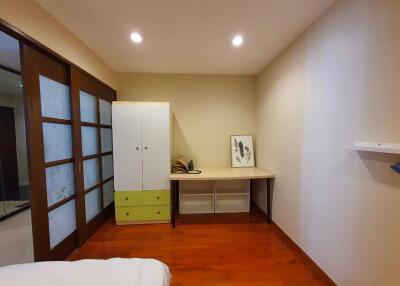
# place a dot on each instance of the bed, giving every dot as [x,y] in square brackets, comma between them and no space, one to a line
[116,271]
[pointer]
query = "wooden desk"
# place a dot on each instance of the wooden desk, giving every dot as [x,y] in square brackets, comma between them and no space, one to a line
[217,174]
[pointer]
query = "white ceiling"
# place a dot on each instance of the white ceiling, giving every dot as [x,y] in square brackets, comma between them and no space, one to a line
[187,36]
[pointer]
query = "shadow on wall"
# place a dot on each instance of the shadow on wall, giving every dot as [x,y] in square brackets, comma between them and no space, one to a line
[180,143]
[378,165]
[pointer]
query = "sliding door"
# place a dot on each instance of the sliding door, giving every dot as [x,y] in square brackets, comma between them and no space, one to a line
[52,164]
[70,153]
[96,192]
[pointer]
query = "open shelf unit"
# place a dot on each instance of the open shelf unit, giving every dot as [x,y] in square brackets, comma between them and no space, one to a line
[389,148]
[228,196]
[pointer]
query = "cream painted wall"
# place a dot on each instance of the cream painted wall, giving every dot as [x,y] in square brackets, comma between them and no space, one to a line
[207,109]
[33,20]
[338,83]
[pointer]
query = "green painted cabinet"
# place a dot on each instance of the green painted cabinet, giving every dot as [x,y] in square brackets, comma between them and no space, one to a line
[142,198]
[142,206]
[143,213]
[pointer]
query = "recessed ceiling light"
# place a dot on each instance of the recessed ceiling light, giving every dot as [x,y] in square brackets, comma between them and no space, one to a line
[136,37]
[237,41]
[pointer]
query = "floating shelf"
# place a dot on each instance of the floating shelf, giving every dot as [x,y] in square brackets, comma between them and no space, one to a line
[389,148]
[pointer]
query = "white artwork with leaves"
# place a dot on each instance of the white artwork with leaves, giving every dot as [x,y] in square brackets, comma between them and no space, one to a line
[242,151]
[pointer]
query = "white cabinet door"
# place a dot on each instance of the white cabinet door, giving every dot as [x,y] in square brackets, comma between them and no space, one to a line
[127,141]
[156,145]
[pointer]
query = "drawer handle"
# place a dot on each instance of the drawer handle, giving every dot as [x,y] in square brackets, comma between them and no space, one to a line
[127,213]
[158,212]
[158,197]
[126,198]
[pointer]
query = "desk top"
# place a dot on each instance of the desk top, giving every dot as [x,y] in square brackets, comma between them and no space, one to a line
[223,174]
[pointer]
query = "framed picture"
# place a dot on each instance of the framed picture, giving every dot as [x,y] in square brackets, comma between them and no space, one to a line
[242,151]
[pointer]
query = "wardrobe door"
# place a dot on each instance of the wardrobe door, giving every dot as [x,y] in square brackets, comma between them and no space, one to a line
[51,157]
[127,138]
[156,146]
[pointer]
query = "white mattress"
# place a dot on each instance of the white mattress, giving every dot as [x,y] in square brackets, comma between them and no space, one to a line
[116,271]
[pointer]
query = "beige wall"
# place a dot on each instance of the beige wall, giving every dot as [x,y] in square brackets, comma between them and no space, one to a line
[32,19]
[336,84]
[207,110]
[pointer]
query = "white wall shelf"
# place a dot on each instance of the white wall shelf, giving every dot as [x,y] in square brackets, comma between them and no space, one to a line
[389,148]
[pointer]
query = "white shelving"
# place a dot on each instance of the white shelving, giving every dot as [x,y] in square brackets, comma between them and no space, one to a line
[214,196]
[389,148]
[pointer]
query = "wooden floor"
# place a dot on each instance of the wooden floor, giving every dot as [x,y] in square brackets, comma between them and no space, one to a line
[212,250]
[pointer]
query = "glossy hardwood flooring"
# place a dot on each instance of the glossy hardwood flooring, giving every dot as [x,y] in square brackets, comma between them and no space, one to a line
[212,250]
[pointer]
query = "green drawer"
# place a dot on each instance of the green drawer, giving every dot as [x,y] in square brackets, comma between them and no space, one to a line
[142,214]
[142,198]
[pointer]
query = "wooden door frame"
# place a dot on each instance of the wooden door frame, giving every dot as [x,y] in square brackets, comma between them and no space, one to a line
[33,123]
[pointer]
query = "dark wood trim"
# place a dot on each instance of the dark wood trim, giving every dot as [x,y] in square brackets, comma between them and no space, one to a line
[99,155]
[26,39]
[100,160]
[88,190]
[90,124]
[107,180]
[89,157]
[76,130]
[58,162]
[11,70]
[60,203]
[297,249]
[57,120]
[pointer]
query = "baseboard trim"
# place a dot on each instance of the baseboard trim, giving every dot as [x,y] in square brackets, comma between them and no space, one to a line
[318,273]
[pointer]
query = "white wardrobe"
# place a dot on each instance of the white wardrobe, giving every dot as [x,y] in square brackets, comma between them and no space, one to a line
[142,161]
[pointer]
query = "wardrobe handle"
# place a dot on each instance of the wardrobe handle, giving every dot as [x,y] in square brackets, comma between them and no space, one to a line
[126,198]
[137,148]
[127,213]
[145,148]
[158,197]
[158,212]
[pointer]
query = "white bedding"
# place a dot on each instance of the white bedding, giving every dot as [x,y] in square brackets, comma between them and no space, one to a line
[116,271]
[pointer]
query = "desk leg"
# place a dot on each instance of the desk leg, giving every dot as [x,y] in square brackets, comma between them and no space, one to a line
[174,201]
[269,201]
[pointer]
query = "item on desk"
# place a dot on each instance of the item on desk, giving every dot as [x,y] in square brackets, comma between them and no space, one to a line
[183,167]
[396,167]
[242,151]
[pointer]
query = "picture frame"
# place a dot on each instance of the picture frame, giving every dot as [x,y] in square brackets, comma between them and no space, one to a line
[242,151]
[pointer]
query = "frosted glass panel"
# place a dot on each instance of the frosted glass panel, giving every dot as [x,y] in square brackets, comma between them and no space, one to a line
[91,174]
[57,141]
[108,193]
[92,204]
[62,222]
[89,141]
[59,183]
[105,112]
[107,165]
[106,140]
[88,107]
[54,98]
